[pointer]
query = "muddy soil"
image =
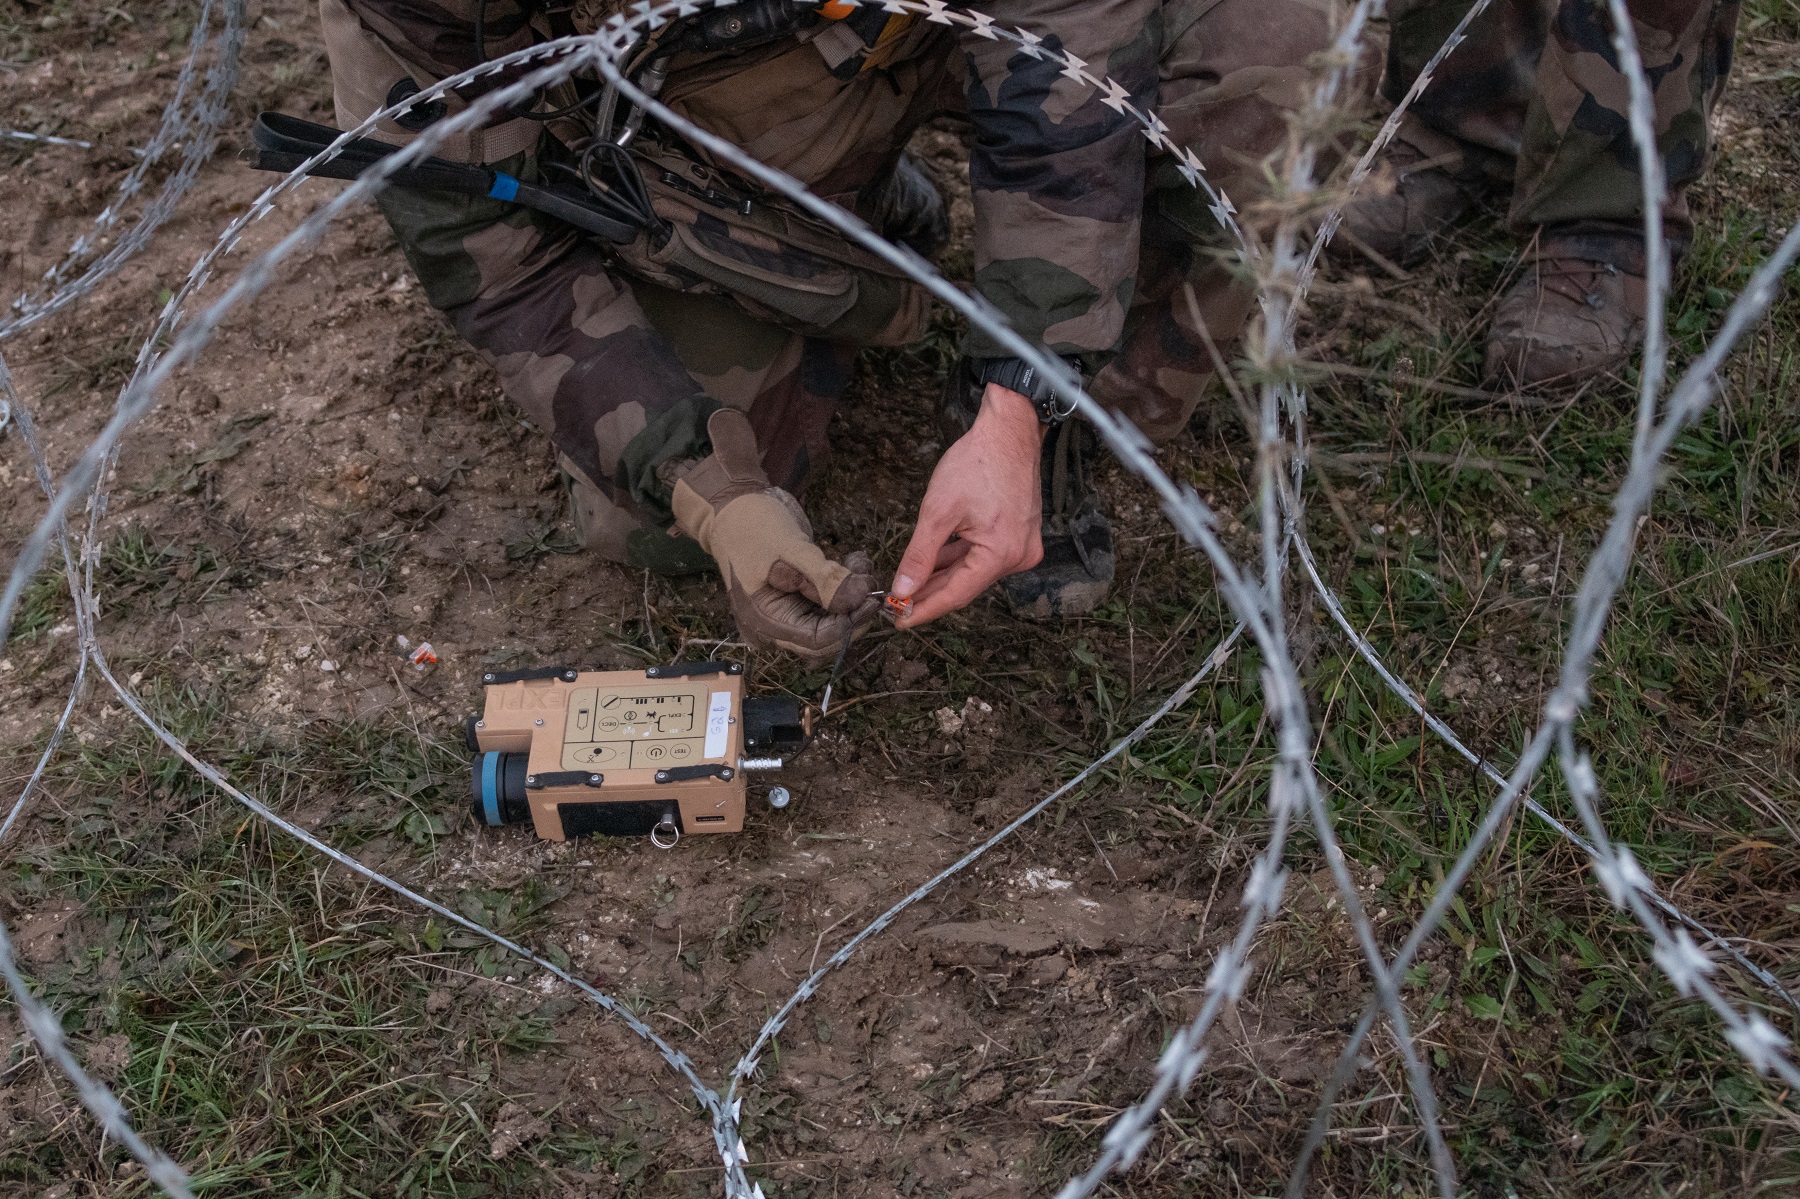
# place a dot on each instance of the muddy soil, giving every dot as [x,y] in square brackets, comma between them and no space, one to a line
[337,481]
[341,480]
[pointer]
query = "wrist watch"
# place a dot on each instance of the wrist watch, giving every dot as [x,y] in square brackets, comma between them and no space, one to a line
[1015,374]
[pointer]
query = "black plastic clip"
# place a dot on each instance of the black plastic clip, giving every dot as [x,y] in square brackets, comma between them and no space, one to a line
[495,678]
[682,670]
[563,778]
[682,774]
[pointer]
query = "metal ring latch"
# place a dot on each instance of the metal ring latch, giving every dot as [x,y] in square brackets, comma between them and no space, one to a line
[673,834]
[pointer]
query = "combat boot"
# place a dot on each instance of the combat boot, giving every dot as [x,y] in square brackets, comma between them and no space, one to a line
[1434,187]
[1077,569]
[1569,320]
[1076,572]
[909,209]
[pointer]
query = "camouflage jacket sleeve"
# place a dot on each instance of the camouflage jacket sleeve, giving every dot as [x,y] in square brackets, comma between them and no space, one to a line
[1057,172]
[571,345]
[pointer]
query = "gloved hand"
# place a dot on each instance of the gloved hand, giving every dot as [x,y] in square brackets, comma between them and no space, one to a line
[785,593]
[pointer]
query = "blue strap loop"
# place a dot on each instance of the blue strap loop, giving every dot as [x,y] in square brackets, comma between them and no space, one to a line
[505,187]
[490,788]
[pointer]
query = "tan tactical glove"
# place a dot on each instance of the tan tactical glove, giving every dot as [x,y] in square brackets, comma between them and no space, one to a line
[785,593]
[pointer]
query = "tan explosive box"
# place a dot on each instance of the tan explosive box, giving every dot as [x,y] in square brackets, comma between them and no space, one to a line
[658,752]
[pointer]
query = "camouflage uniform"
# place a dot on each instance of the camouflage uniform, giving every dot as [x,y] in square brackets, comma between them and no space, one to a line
[1083,238]
[1535,101]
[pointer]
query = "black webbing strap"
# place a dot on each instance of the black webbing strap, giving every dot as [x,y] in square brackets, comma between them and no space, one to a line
[284,143]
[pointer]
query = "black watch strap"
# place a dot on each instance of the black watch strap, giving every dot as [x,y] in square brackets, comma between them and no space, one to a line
[1015,374]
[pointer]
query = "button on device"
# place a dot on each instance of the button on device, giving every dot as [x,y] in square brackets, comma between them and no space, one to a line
[655,752]
[680,751]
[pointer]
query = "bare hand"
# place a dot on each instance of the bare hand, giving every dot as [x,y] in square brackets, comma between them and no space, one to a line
[984,494]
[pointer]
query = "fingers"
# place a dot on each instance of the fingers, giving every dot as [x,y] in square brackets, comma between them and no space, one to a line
[920,561]
[785,576]
[786,620]
[947,557]
[855,591]
[837,589]
[972,573]
[953,553]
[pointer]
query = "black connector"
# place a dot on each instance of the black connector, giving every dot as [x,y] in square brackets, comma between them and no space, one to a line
[773,726]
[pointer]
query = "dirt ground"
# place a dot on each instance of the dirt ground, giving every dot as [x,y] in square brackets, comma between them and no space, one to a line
[362,480]
[337,478]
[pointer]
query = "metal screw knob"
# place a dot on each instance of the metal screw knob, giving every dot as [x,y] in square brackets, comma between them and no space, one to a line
[778,797]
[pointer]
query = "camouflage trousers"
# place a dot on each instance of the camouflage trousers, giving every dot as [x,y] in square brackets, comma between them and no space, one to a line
[1232,74]
[623,372]
[1535,101]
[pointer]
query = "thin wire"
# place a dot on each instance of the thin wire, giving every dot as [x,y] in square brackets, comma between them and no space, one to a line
[746,1065]
[19,135]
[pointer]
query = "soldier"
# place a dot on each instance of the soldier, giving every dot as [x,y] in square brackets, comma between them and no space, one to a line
[687,379]
[1533,106]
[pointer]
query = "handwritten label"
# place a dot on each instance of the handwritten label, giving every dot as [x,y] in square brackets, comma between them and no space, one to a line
[718,720]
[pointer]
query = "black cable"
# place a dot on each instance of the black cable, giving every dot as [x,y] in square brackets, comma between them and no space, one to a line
[481,56]
[630,194]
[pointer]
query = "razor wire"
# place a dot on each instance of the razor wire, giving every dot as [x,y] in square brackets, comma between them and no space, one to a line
[746,1065]
[1191,516]
[100,454]
[193,126]
[1390,128]
[1677,956]
[1259,608]
[46,1028]
[21,415]
[91,464]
